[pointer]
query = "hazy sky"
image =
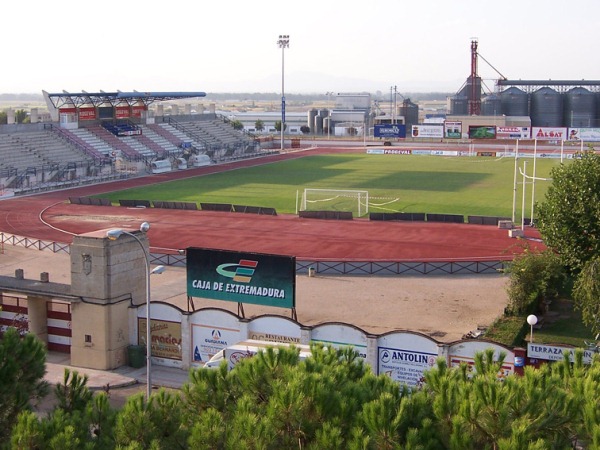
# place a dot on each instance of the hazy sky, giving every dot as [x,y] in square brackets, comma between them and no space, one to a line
[335,45]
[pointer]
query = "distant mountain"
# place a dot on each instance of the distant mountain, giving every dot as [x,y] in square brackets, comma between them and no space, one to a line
[21,97]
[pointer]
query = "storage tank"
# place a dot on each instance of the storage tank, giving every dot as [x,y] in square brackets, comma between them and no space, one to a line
[410,111]
[580,108]
[317,127]
[546,108]
[459,105]
[514,102]
[491,106]
[312,114]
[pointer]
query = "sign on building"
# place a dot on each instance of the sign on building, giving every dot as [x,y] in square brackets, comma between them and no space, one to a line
[256,278]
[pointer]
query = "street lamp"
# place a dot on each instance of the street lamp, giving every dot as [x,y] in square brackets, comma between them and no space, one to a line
[283,42]
[113,235]
[531,320]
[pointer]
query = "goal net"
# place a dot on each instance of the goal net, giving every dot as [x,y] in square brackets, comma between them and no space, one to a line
[353,201]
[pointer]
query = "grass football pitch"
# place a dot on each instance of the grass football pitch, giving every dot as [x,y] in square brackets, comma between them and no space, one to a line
[396,183]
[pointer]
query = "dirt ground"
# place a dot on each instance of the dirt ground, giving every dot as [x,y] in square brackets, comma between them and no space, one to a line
[443,307]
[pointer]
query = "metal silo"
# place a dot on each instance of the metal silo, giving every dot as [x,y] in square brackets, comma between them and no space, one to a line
[410,111]
[514,102]
[546,108]
[312,113]
[459,105]
[491,106]
[580,108]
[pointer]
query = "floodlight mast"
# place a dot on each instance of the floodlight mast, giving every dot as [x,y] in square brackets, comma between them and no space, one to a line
[113,235]
[283,43]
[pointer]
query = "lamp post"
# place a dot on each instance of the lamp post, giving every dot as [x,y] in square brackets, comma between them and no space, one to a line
[283,42]
[113,235]
[531,320]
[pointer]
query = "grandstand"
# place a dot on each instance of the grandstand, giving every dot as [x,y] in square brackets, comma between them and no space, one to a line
[93,143]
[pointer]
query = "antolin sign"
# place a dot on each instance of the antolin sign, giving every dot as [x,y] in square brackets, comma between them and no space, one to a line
[256,278]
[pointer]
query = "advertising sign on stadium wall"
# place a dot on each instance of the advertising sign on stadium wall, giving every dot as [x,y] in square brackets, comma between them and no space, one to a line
[404,357]
[275,329]
[513,132]
[165,337]
[208,339]
[482,132]
[137,110]
[87,113]
[122,112]
[549,133]
[405,366]
[390,130]
[556,352]
[584,134]
[428,131]
[452,130]
[256,278]
[386,151]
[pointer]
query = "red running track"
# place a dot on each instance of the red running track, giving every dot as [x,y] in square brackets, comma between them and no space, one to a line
[51,217]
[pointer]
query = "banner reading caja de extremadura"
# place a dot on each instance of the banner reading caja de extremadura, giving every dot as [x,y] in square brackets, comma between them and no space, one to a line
[256,278]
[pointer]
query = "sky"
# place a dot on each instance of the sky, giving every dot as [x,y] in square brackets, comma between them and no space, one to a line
[335,45]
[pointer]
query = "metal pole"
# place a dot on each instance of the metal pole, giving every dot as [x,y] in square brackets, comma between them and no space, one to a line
[523,200]
[514,204]
[283,42]
[282,94]
[148,328]
[533,180]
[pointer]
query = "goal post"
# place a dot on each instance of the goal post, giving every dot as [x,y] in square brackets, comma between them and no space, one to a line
[355,201]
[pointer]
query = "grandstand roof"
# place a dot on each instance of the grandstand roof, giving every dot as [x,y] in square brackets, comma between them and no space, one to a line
[65,98]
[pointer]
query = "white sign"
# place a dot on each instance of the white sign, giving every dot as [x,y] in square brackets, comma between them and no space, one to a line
[208,340]
[428,131]
[556,352]
[549,133]
[584,134]
[513,132]
[405,366]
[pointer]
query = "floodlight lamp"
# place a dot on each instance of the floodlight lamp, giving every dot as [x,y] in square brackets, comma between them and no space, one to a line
[114,234]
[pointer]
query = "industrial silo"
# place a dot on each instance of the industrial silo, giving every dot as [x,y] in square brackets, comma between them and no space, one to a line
[320,121]
[459,105]
[546,108]
[514,102]
[580,108]
[312,114]
[410,111]
[491,106]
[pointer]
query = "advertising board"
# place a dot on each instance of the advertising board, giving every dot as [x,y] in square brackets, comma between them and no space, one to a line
[405,366]
[428,131]
[584,134]
[390,130]
[549,133]
[513,132]
[257,278]
[165,337]
[208,340]
[482,132]
[452,130]
[556,352]
[87,113]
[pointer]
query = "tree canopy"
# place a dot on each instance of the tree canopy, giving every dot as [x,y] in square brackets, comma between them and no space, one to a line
[332,400]
[569,217]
